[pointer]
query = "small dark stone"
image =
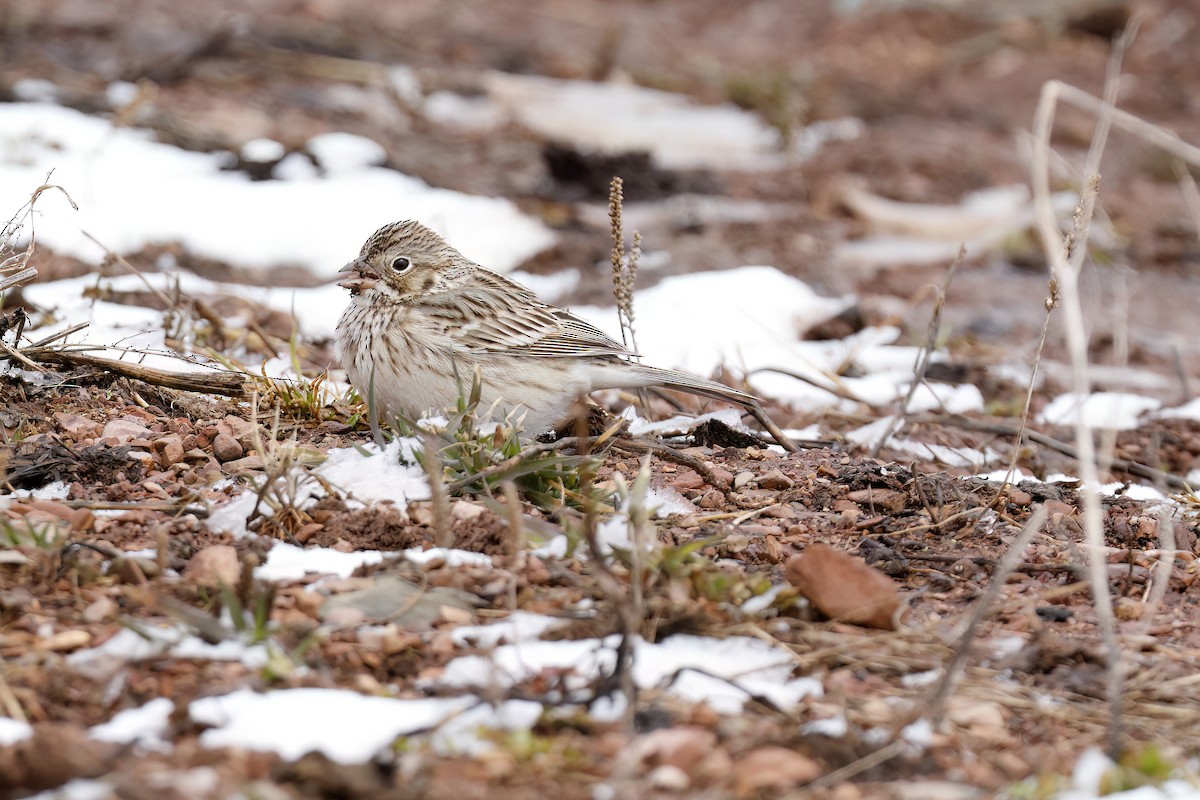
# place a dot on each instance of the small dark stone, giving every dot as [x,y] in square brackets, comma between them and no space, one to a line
[1055,613]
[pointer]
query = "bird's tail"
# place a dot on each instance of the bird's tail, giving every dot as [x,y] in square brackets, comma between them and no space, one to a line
[693,384]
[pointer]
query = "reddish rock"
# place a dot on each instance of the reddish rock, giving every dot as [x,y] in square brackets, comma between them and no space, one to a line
[227,448]
[845,588]
[213,566]
[889,501]
[124,429]
[682,747]
[170,449]
[77,426]
[771,767]
[775,479]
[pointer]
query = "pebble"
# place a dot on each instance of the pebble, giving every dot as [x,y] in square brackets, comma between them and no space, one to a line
[246,464]
[99,610]
[124,429]
[742,478]
[464,511]
[76,425]
[775,479]
[67,640]
[170,449]
[213,566]
[722,475]
[227,448]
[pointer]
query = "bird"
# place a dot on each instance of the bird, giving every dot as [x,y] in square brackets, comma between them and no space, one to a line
[423,320]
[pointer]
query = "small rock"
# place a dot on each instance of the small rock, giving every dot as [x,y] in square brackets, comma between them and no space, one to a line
[240,429]
[688,480]
[421,513]
[53,507]
[669,779]
[124,429]
[464,511]
[758,530]
[781,512]
[845,588]
[775,479]
[1057,508]
[1018,497]
[170,449]
[345,617]
[227,448]
[77,426]
[1128,608]
[99,610]
[742,478]
[146,459]
[67,640]
[247,464]
[773,768]
[56,754]
[722,475]
[213,566]
[935,790]
[535,572]
[888,501]
[456,616]
[82,520]
[682,748]
[134,569]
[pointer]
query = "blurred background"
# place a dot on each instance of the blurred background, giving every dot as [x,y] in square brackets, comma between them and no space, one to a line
[851,144]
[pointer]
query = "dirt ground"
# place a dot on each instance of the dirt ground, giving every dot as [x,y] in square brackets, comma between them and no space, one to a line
[946,93]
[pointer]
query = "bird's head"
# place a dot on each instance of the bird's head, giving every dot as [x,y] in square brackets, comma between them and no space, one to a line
[400,260]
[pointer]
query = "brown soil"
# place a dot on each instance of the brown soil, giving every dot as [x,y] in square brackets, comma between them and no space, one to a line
[943,94]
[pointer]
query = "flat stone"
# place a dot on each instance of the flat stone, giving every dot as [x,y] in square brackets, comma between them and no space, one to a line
[775,479]
[124,430]
[76,425]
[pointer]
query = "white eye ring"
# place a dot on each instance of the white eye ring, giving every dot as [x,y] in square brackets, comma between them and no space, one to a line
[401,265]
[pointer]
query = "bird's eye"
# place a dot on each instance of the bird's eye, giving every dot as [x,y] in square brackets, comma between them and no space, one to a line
[402,264]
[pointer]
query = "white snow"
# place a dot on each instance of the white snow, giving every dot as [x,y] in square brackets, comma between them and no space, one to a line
[153,641]
[369,476]
[263,150]
[720,672]
[147,726]
[133,191]
[292,722]
[287,562]
[78,789]
[1113,410]
[13,731]
[678,132]
[520,626]
[1189,410]
[341,153]
[451,557]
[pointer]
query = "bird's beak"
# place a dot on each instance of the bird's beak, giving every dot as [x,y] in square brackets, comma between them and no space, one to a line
[362,276]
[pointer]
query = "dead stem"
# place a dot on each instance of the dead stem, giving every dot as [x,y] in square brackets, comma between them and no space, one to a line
[937,701]
[935,325]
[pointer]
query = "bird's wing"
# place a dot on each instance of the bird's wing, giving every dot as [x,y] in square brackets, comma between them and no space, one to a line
[497,315]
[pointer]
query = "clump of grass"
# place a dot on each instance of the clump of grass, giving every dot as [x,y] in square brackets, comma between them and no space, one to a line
[305,397]
[285,485]
[23,533]
[775,95]
[475,458]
